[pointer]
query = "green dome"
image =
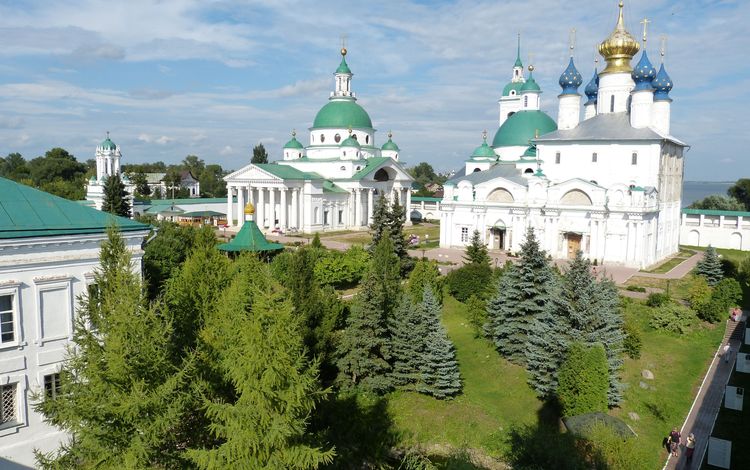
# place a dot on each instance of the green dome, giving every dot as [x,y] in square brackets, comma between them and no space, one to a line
[293,144]
[108,144]
[484,151]
[350,142]
[512,86]
[342,114]
[530,85]
[530,152]
[521,127]
[390,145]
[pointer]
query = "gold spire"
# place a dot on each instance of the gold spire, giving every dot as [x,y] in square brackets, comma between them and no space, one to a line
[619,48]
[249,208]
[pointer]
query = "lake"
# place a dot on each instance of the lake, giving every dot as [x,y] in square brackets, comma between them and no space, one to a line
[695,190]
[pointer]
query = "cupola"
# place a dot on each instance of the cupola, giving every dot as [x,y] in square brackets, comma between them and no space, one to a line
[592,89]
[570,79]
[619,48]
[662,85]
[644,73]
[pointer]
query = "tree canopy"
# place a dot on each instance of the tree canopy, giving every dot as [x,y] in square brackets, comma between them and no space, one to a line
[259,154]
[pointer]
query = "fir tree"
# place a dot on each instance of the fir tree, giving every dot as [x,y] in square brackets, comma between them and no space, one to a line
[407,342]
[522,295]
[396,219]
[260,155]
[115,199]
[380,220]
[545,349]
[438,372]
[269,386]
[316,243]
[364,348]
[122,398]
[476,251]
[425,273]
[710,267]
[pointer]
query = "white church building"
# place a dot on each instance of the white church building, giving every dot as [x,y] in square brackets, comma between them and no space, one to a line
[608,184]
[332,183]
[108,157]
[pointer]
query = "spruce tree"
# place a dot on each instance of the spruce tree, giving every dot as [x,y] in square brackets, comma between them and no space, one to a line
[267,386]
[396,219]
[545,349]
[425,273]
[380,220]
[364,348]
[583,380]
[476,251]
[438,374]
[115,198]
[710,267]
[522,295]
[407,342]
[122,400]
[316,243]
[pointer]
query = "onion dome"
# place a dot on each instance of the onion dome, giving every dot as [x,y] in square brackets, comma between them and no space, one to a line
[484,151]
[342,113]
[662,85]
[570,79]
[619,48]
[351,141]
[592,89]
[530,86]
[249,209]
[644,73]
[390,145]
[530,152]
[294,143]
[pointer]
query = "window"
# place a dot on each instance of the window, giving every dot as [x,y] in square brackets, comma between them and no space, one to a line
[343,168]
[341,217]
[612,104]
[464,234]
[8,408]
[337,138]
[557,157]
[525,101]
[7,326]
[322,138]
[512,92]
[354,136]
[367,139]
[594,156]
[634,158]
[52,385]
[325,217]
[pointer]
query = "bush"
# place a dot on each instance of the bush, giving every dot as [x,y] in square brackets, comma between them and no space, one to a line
[636,289]
[476,311]
[583,381]
[470,279]
[658,299]
[342,269]
[725,295]
[673,317]
[699,293]
[632,343]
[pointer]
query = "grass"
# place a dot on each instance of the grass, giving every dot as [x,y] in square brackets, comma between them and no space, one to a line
[679,364]
[678,288]
[495,397]
[672,262]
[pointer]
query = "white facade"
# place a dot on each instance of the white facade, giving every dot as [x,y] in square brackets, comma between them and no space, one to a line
[107,164]
[40,279]
[330,184]
[720,229]
[609,185]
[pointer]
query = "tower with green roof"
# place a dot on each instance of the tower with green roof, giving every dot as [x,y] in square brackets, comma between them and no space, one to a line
[510,101]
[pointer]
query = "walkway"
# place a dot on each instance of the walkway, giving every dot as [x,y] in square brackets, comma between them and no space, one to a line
[706,406]
[679,271]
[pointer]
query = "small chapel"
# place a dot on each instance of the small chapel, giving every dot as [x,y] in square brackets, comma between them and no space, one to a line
[604,178]
[331,183]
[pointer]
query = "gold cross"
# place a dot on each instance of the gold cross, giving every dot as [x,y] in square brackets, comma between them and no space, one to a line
[645,23]
[572,40]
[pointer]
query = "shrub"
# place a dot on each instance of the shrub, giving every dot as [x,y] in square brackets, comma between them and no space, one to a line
[726,294]
[658,299]
[632,343]
[469,279]
[583,381]
[699,293]
[673,317]
[636,289]
[476,311]
[341,269]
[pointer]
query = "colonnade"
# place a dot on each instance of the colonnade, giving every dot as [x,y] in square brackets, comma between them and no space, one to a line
[267,214]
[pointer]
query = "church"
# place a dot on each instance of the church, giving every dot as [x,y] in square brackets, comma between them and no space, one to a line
[605,179]
[333,182]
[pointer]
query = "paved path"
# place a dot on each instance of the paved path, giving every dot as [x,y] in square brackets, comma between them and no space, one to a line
[679,271]
[702,416]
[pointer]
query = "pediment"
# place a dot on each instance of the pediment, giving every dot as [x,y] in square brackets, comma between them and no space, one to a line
[251,173]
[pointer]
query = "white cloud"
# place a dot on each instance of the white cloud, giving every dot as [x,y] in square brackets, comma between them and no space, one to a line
[159,140]
[227,150]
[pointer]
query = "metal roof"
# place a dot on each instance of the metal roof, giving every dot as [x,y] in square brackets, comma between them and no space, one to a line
[611,126]
[507,171]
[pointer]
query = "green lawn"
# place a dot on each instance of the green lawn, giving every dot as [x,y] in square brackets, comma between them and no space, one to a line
[672,262]
[495,397]
[678,288]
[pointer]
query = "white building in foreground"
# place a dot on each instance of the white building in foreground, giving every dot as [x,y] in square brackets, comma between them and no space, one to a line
[49,249]
[330,184]
[609,185]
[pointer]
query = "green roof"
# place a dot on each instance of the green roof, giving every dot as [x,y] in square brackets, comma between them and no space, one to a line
[28,212]
[108,144]
[342,113]
[390,145]
[287,172]
[425,199]
[715,212]
[530,152]
[350,142]
[194,200]
[521,128]
[343,66]
[330,187]
[250,238]
[530,85]
[203,214]
[484,151]
[293,144]
[372,164]
[512,86]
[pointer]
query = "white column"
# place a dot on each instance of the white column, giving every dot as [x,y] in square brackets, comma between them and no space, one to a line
[370,204]
[240,206]
[358,207]
[260,211]
[229,206]
[407,199]
[272,208]
[282,210]
[295,209]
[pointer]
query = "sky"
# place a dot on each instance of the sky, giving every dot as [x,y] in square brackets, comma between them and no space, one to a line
[215,77]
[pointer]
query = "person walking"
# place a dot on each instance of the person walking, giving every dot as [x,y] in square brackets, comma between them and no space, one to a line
[674,438]
[727,351]
[689,449]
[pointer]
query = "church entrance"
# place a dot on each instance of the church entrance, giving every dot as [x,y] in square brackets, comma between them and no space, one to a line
[497,238]
[574,244]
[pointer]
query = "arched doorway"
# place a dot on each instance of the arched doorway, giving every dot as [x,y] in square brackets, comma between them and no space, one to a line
[573,241]
[498,236]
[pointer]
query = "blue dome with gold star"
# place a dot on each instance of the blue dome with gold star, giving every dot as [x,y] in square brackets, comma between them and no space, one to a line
[592,89]
[662,85]
[570,79]
[644,73]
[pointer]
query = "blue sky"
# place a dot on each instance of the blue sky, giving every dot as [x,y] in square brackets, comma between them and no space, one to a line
[213,78]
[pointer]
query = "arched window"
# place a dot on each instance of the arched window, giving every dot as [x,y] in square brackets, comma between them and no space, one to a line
[322,138]
[634,158]
[337,138]
[575,197]
[354,136]
[528,171]
[500,195]
[511,114]
[594,157]
[557,157]
[525,101]
[367,139]
[381,175]
[477,169]
[612,104]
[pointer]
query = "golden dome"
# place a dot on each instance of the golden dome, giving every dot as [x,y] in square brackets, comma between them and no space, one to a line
[249,208]
[619,48]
